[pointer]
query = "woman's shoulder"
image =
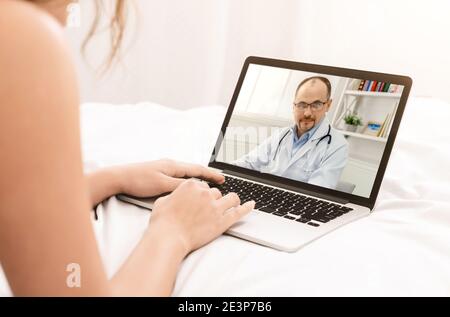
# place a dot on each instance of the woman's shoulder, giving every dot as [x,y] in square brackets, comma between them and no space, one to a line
[29,38]
[34,56]
[26,19]
[37,78]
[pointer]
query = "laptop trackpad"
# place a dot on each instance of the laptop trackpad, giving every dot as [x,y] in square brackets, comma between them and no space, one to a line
[273,231]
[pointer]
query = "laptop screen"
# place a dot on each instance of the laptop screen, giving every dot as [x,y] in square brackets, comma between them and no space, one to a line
[320,129]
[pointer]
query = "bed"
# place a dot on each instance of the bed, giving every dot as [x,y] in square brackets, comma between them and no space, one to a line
[401,249]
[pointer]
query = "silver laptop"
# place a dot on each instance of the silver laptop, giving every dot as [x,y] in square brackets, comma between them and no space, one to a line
[309,143]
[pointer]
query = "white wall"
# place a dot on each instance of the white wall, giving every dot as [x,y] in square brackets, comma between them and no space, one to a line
[406,37]
[189,53]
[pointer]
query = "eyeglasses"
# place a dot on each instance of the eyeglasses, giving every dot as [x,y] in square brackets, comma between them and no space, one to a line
[315,106]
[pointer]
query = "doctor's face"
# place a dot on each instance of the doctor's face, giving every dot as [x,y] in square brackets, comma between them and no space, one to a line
[310,105]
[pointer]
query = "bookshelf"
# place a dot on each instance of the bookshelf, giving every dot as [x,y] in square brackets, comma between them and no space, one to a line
[363,136]
[372,94]
[376,108]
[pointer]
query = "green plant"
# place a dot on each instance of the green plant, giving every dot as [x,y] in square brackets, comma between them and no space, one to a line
[353,119]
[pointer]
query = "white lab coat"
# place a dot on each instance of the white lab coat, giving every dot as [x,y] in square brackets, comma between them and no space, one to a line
[319,164]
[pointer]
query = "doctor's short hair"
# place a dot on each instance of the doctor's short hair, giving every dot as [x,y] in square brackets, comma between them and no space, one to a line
[314,78]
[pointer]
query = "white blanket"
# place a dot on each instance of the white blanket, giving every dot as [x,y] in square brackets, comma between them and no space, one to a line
[402,248]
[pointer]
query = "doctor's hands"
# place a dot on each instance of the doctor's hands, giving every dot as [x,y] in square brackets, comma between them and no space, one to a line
[195,214]
[162,176]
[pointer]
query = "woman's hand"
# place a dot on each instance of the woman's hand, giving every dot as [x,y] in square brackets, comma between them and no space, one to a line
[162,176]
[145,179]
[195,214]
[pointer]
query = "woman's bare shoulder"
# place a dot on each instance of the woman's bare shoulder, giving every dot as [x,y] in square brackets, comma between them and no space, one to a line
[38,83]
[34,58]
[33,46]
[21,16]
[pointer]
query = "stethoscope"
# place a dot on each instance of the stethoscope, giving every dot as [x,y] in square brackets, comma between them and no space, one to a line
[328,135]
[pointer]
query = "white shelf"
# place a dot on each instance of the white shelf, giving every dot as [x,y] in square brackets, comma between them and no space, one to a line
[366,104]
[372,94]
[363,136]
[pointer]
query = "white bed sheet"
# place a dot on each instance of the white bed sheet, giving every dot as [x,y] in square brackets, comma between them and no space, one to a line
[401,249]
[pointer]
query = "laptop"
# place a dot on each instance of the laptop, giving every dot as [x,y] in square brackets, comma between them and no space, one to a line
[309,143]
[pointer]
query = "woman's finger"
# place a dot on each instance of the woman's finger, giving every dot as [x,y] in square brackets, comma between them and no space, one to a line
[184,170]
[160,200]
[235,214]
[171,183]
[216,193]
[228,201]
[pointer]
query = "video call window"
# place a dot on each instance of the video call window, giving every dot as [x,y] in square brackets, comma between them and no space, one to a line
[323,130]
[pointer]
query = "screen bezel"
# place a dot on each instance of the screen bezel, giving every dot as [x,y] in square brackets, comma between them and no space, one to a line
[301,186]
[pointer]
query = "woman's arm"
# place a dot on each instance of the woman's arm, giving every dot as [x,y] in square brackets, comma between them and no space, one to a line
[145,179]
[185,220]
[103,184]
[44,223]
[43,228]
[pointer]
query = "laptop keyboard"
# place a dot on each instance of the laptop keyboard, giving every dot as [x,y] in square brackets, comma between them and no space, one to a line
[292,206]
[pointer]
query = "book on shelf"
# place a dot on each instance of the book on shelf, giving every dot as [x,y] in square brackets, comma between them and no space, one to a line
[378,86]
[372,128]
[375,86]
[391,122]
[361,85]
[366,85]
[384,126]
[388,125]
[395,89]
[355,84]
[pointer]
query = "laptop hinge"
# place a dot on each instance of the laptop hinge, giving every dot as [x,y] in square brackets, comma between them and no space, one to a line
[288,187]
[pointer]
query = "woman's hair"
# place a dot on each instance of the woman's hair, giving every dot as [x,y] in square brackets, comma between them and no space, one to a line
[116,26]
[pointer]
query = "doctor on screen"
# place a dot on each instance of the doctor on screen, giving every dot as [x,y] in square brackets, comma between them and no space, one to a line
[311,150]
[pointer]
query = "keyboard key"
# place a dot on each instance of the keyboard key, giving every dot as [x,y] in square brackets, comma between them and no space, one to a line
[289,217]
[267,209]
[323,220]
[344,209]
